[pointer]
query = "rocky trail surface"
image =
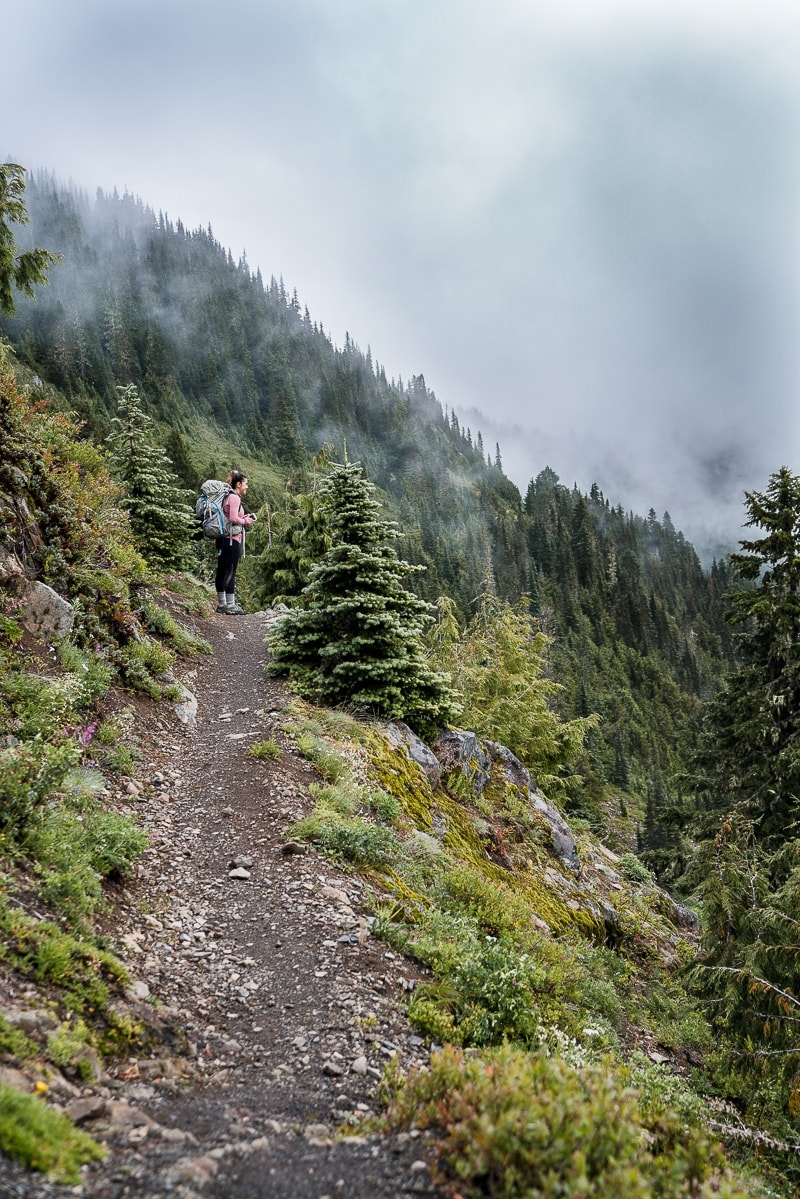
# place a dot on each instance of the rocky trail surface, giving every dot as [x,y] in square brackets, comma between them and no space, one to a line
[260,957]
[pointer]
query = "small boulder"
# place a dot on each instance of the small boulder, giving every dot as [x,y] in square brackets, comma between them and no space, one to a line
[461,750]
[399,734]
[46,613]
[186,707]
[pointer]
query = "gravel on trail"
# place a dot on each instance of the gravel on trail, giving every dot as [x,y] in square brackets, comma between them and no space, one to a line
[258,954]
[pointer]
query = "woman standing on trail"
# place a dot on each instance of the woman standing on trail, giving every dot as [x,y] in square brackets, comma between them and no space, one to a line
[231,546]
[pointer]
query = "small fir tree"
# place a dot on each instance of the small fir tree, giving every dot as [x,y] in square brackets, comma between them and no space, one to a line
[356,639]
[161,519]
[499,666]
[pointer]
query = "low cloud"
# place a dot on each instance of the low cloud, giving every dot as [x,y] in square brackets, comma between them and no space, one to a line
[579,219]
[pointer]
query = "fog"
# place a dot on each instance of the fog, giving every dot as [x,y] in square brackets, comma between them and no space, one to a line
[576,219]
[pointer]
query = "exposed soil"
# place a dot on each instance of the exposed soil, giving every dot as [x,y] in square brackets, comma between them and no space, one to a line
[287,1007]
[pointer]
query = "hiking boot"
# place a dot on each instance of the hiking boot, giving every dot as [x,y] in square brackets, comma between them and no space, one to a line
[235,610]
[222,607]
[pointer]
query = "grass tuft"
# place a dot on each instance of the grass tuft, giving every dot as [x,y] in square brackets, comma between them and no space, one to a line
[40,1138]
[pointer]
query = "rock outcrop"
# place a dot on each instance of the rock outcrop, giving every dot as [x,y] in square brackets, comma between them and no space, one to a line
[477,760]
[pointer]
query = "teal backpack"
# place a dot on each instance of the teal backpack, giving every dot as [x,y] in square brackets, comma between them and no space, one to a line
[208,509]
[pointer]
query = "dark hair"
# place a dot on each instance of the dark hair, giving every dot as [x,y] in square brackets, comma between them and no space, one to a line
[235,477]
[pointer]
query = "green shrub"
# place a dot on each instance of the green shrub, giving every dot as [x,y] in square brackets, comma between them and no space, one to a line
[331,765]
[389,926]
[164,624]
[112,842]
[121,759]
[443,938]
[634,869]
[40,1138]
[41,950]
[14,1041]
[29,773]
[342,798]
[488,996]
[268,750]
[385,806]
[360,842]
[524,1125]
[495,907]
[75,851]
[11,631]
[90,668]
[66,1043]
[109,731]
[72,889]
[42,705]
[142,662]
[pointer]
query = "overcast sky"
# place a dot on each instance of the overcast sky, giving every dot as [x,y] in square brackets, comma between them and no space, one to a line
[577,216]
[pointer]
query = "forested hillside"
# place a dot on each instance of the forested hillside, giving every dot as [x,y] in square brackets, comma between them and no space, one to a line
[561,657]
[235,371]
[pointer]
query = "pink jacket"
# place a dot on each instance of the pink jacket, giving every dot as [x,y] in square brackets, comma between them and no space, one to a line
[234,512]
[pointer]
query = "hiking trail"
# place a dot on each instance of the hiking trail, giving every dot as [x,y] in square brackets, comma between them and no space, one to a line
[262,957]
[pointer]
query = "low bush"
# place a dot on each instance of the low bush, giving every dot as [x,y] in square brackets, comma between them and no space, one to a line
[520,1125]
[43,1139]
[158,620]
[330,765]
[357,841]
[29,773]
[75,850]
[487,997]
[268,750]
[634,868]
[88,977]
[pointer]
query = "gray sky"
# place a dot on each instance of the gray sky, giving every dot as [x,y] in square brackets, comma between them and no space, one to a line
[577,216]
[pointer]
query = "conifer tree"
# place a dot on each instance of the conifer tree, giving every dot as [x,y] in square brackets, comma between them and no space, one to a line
[19,270]
[356,640]
[750,757]
[178,452]
[748,859]
[161,519]
[498,667]
[298,537]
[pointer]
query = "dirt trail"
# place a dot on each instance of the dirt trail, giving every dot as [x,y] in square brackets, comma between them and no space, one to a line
[290,1007]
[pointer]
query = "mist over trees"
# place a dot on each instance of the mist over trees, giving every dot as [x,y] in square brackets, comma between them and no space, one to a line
[140,301]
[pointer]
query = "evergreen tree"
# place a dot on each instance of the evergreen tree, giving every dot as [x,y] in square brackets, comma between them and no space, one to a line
[356,639]
[298,536]
[750,756]
[498,667]
[161,519]
[178,452]
[748,859]
[19,271]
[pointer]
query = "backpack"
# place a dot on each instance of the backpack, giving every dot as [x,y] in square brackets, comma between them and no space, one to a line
[208,508]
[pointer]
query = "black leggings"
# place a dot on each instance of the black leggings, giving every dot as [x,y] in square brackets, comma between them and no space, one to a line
[229,554]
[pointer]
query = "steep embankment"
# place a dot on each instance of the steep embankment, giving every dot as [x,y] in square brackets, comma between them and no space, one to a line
[288,1005]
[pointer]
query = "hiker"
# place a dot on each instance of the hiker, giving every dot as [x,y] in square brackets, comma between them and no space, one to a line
[231,546]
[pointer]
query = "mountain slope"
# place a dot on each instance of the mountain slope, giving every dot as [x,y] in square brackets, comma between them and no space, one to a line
[235,372]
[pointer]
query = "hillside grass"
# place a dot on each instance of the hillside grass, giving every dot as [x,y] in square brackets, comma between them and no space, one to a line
[43,1139]
[540,1079]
